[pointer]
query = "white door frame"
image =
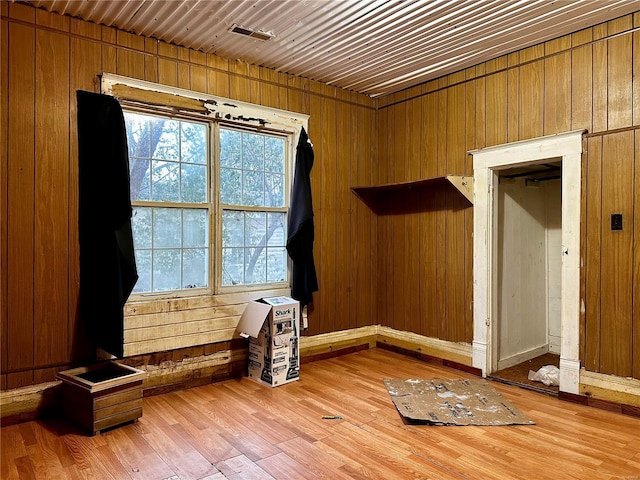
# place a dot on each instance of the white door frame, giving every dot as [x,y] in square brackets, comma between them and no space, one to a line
[486,163]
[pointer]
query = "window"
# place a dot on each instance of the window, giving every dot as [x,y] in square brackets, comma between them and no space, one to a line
[168,161]
[185,172]
[210,181]
[254,214]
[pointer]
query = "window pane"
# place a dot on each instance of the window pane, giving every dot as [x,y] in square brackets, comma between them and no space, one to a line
[230,186]
[164,136]
[143,264]
[169,163]
[193,143]
[253,151]
[253,189]
[256,261]
[274,155]
[165,186]
[195,228]
[232,266]
[276,229]
[138,135]
[194,183]
[166,270]
[276,264]
[232,228]
[274,190]
[256,229]
[166,227]
[141,224]
[140,179]
[230,149]
[194,268]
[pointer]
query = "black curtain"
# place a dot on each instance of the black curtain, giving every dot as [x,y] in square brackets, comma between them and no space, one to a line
[107,264]
[301,229]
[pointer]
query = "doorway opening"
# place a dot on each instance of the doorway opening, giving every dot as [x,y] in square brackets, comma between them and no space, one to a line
[526,257]
[529,229]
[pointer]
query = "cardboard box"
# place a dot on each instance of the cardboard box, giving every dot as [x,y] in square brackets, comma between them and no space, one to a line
[273,328]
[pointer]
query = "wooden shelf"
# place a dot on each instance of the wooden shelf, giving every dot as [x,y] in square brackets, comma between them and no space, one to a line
[376,196]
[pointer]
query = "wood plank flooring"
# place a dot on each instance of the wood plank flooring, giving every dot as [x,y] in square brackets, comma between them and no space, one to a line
[241,430]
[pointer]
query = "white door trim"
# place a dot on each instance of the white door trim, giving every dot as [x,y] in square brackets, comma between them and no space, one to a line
[486,163]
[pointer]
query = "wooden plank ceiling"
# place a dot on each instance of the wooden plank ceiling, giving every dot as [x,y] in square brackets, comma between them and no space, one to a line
[374,47]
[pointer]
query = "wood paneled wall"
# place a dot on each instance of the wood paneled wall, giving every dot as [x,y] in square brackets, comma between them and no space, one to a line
[45,58]
[588,80]
[410,270]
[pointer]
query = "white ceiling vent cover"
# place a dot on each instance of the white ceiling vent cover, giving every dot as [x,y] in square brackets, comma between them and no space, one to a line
[247,32]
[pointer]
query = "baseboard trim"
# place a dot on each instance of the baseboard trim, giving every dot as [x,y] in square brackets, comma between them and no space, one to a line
[430,358]
[37,401]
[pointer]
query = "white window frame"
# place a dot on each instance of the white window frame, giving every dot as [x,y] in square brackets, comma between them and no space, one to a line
[147,97]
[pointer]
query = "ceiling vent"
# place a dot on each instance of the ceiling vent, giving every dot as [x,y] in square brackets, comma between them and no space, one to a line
[247,32]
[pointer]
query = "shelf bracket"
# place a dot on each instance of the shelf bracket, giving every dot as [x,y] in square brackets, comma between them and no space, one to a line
[464,184]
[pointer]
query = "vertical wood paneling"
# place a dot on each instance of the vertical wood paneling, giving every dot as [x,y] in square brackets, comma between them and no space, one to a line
[365,250]
[636,70]
[513,104]
[268,88]
[372,277]
[199,79]
[441,217]
[21,193]
[109,53]
[496,123]
[593,242]
[343,243]
[328,199]
[4,189]
[168,72]
[636,260]
[130,63]
[355,213]
[52,197]
[581,79]
[619,82]
[481,109]
[239,86]
[568,83]
[44,68]
[454,226]
[414,242]
[531,100]
[151,60]
[398,223]
[557,93]
[184,75]
[599,84]
[616,267]
[427,231]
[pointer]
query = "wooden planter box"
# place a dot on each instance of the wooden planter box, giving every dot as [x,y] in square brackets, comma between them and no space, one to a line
[102,396]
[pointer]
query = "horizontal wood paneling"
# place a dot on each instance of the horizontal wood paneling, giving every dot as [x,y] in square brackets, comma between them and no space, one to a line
[45,59]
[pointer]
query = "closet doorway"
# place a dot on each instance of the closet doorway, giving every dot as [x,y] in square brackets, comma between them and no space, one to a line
[526,254]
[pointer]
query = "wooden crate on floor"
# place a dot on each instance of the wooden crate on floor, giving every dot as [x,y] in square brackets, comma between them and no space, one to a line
[102,396]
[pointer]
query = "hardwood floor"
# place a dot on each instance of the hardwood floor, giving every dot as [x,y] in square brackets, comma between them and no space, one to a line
[239,429]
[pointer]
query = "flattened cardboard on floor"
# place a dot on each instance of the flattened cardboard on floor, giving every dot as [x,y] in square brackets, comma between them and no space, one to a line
[453,402]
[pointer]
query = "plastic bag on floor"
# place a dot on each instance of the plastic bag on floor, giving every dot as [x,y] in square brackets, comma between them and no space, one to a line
[549,375]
